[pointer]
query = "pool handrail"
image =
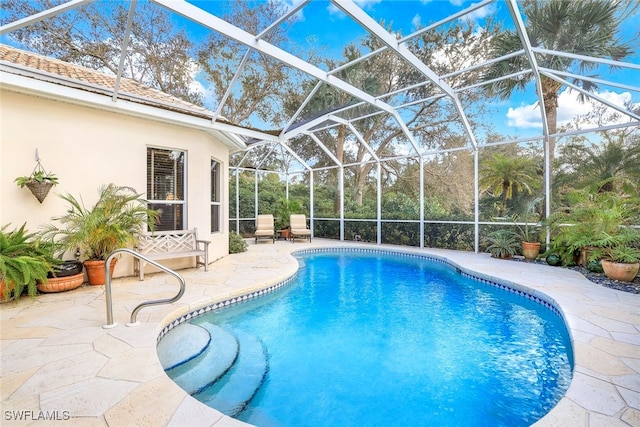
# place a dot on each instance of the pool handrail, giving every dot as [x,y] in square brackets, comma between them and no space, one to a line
[134,313]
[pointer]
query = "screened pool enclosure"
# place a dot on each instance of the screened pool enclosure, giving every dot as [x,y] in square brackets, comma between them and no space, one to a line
[403,122]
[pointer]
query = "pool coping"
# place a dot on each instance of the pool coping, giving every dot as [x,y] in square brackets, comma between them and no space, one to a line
[604,325]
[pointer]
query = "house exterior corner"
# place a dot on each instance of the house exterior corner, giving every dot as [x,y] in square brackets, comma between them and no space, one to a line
[86,146]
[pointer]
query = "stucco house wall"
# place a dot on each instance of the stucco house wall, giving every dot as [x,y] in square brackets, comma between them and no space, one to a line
[87,146]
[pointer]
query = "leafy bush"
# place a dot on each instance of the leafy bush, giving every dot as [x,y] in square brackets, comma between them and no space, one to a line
[600,221]
[236,243]
[24,259]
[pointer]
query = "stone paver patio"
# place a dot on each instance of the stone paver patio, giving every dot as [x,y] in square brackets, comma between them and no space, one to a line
[59,366]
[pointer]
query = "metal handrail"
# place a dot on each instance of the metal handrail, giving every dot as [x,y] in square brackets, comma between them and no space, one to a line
[134,314]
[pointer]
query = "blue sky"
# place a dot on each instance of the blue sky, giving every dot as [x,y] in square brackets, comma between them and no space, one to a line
[332,30]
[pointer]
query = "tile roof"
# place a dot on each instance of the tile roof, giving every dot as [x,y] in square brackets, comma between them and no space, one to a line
[71,75]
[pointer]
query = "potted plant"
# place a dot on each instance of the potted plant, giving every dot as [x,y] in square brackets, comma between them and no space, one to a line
[621,263]
[619,258]
[115,221]
[68,275]
[503,243]
[24,260]
[589,222]
[529,233]
[284,208]
[39,182]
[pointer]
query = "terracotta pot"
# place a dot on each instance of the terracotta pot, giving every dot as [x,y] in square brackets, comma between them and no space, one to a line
[530,250]
[619,270]
[95,271]
[61,284]
[285,233]
[585,254]
[8,288]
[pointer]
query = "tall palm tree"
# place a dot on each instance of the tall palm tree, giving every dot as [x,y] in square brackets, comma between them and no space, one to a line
[502,174]
[584,27]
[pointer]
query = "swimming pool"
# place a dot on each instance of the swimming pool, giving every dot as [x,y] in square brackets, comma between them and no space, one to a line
[373,338]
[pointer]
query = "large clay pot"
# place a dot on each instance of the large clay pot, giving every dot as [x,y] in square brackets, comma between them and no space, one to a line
[95,271]
[6,287]
[530,250]
[620,271]
[61,284]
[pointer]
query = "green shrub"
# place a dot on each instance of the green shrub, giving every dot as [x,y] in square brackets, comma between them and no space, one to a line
[236,243]
[504,243]
[24,259]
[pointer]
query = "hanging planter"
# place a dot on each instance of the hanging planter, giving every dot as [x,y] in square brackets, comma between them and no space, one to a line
[39,182]
[39,189]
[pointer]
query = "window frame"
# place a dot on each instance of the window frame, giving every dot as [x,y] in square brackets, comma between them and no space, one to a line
[168,202]
[215,189]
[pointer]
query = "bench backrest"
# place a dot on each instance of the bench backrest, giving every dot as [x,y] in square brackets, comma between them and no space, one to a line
[160,242]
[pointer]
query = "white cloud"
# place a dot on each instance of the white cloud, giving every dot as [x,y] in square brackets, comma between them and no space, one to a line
[481,13]
[416,22]
[569,107]
[524,116]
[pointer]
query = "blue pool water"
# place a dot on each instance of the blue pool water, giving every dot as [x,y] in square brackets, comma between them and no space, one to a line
[371,339]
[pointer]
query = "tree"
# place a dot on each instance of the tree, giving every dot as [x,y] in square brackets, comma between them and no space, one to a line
[611,165]
[586,27]
[92,36]
[263,81]
[502,174]
[432,124]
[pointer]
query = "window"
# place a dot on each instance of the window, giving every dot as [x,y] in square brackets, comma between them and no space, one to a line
[166,187]
[215,196]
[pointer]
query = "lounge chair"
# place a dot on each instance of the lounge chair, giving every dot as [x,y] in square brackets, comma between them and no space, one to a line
[265,228]
[299,229]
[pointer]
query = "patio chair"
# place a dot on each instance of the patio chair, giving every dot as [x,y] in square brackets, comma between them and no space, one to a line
[265,228]
[299,229]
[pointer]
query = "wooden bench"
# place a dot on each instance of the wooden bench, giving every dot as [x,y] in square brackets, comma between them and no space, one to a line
[159,245]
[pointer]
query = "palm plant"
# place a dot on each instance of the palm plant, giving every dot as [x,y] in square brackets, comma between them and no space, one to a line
[609,166]
[528,232]
[283,210]
[115,221]
[587,27]
[502,174]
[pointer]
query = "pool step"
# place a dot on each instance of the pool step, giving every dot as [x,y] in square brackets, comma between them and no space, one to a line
[231,393]
[182,344]
[209,366]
